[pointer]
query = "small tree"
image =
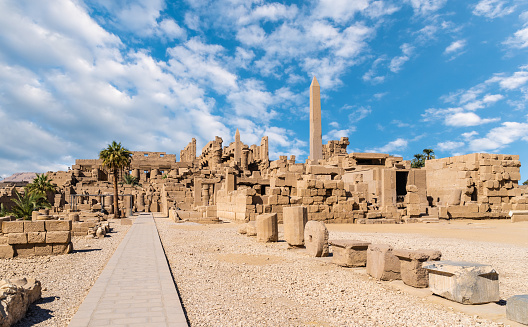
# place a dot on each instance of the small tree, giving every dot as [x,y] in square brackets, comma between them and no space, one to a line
[115,158]
[130,180]
[525,182]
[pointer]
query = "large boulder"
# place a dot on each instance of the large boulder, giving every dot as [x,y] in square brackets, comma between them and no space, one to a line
[16,295]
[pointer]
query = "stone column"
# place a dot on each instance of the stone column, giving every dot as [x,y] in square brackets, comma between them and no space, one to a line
[244,160]
[238,148]
[316,140]
[267,228]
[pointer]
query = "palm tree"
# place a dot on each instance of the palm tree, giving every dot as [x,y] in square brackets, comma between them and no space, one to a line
[418,161]
[115,158]
[24,205]
[130,180]
[429,154]
[41,185]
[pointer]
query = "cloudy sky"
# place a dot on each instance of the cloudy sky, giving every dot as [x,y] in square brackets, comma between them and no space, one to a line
[396,76]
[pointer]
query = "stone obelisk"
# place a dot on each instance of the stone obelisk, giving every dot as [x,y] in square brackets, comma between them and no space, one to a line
[238,148]
[316,139]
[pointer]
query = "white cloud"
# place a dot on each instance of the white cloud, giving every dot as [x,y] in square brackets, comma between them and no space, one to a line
[334,124]
[399,144]
[499,137]
[370,75]
[340,10]
[493,8]
[512,82]
[336,134]
[397,62]
[467,119]
[469,135]
[519,39]
[492,98]
[455,46]
[424,7]
[449,145]
[270,12]
[358,114]
[400,124]
[377,9]
[170,29]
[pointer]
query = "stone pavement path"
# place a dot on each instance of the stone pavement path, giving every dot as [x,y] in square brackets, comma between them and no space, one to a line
[136,286]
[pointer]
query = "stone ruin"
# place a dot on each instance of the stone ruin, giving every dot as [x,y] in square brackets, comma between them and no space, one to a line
[239,182]
[15,297]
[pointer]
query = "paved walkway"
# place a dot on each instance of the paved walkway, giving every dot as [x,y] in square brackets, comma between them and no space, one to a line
[136,286]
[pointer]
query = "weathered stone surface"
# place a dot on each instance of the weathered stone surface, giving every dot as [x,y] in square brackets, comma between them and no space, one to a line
[15,297]
[17,238]
[412,272]
[251,228]
[349,253]
[518,215]
[382,264]
[316,239]
[34,226]
[463,282]
[58,225]
[267,228]
[58,237]
[43,249]
[100,232]
[12,227]
[24,250]
[294,219]
[36,237]
[517,308]
[6,251]
[62,248]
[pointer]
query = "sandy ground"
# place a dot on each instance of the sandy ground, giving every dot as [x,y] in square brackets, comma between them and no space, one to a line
[228,279]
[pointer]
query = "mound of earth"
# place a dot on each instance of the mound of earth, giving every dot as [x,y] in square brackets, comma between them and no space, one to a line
[20,177]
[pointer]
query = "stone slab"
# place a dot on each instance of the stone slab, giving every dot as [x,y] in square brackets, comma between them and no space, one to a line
[517,309]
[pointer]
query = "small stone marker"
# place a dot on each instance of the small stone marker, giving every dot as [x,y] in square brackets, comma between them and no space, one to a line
[463,282]
[349,253]
[518,215]
[242,229]
[251,228]
[412,272]
[517,308]
[267,228]
[294,219]
[316,239]
[382,264]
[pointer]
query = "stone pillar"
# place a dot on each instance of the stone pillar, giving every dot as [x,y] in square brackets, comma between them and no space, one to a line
[267,228]
[238,148]
[197,192]
[135,173]
[205,194]
[230,181]
[316,139]
[264,152]
[154,172]
[244,160]
[294,219]
[128,205]
[316,239]
[141,202]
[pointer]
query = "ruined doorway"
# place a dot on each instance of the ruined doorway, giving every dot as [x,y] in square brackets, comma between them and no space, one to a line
[401,185]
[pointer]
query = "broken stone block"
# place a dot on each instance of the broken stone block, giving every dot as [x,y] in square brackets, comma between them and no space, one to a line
[58,237]
[349,253]
[463,282]
[6,251]
[412,272]
[518,215]
[517,309]
[251,228]
[382,264]
[16,295]
[294,220]
[267,228]
[316,239]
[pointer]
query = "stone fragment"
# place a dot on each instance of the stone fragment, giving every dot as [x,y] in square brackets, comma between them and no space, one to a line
[242,229]
[316,239]
[17,238]
[382,264]
[412,272]
[294,220]
[58,225]
[36,237]
[517,309]
[6,251]
[267,228]
[43,249]
[349,253]
[62,248]
[100,232]
[251,228]
[463,282]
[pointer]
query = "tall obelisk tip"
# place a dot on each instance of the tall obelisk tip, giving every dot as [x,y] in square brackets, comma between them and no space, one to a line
[314,82]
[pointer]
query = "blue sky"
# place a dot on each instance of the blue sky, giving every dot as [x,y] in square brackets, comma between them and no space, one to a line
[396,76]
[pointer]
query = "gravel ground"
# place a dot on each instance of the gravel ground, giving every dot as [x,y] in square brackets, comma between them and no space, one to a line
[66,279]
[228,279]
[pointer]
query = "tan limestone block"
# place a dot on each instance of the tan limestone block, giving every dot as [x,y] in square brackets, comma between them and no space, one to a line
[34,226]
[36,237]
[3,240]
[6,251]
[267,228]
[58,237]
[316,239]
[382,264]
[24,250]
[12,227]
[43,249]
[58,225]
[294,219]
[17,238]
[62,248]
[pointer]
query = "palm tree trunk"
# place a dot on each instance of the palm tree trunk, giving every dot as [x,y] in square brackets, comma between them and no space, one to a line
[116,208]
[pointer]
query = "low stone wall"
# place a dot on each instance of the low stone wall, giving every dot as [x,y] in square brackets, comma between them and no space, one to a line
[35,238]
